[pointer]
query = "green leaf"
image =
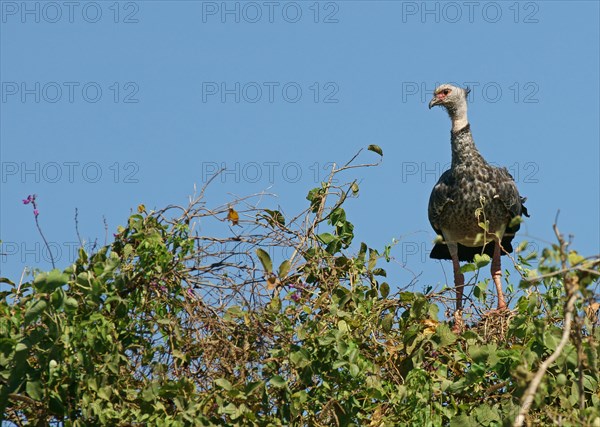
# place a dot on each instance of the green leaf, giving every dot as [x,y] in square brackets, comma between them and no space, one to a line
[407,297]
[481,260]
[57,298]
[522,246]
[479,353]
[300,397]
[376,149]
[315,198]
[457,386]
[466,268]
[338,364]
[276,217]
[343,326]
[373,257]
[561,379]
[284,269]
[7,345]
[55,404]
[21,347]
[265,260]
[252,386]
[48,282]
[299,359]
[362,251]
[71,304]
[180,355]
[387,322]
[35,310]
[486,415]
[277,381]
[463,420]
[590,383]
[223,383]
[326,238]
[444,335]
[515,221]
[105,393]
[275,304]
[384,288]
[34,390]
[479,291]
[575,258]
[379,272]
[5,280]
[230,409]
[326,340]
[551,340]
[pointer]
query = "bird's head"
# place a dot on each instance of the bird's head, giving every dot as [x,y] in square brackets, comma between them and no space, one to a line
[450,97]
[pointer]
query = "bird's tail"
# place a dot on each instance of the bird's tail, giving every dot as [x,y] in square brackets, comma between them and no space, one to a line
[467,253]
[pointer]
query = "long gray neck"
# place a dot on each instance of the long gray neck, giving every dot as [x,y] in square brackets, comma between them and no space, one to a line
[463,147]
[458,115]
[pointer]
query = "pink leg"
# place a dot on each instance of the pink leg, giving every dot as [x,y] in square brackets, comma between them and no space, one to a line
[497,275]
[459,284]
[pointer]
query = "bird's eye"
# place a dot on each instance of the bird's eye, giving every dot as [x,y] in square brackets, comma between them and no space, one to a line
[446,91]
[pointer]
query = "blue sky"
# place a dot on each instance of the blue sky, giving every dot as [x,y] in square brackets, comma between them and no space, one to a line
[106,105]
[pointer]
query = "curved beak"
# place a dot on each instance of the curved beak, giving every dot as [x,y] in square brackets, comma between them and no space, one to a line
[434,101]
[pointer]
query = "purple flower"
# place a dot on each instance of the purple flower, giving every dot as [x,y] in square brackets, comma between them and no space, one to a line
[296,296]
[190,292]
[31,199]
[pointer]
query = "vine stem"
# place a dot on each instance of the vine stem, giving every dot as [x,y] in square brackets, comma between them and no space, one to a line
[37,224]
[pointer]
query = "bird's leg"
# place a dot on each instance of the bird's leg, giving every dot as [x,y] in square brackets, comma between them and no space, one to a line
[497,275]
[459,284]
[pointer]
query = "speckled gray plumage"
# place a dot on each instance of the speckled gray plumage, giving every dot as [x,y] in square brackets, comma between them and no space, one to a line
[461,191]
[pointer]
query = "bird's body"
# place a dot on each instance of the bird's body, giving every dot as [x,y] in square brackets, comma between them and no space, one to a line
[472,186]
[233,216]
[474,204]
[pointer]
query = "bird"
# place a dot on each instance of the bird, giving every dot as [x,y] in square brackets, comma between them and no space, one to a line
[475,207]
[233,216]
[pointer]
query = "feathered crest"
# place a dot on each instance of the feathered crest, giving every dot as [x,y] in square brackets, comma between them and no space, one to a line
[467,91]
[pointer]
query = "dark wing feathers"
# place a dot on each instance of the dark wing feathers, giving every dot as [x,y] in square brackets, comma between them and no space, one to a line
[507,191]
[509,195]
[440,196]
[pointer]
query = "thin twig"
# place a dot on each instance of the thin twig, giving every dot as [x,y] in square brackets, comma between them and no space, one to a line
[45,241]
[105,230]
[77,228]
